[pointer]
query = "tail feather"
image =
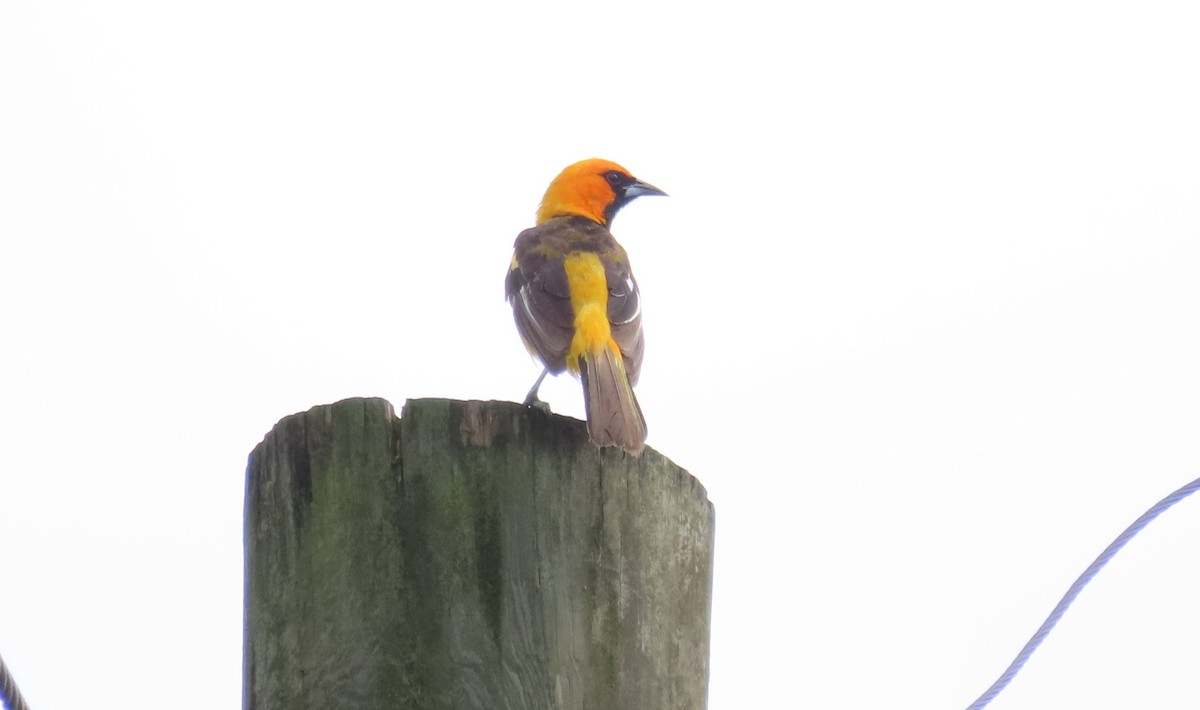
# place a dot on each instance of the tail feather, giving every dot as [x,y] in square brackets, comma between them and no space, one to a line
[614,417]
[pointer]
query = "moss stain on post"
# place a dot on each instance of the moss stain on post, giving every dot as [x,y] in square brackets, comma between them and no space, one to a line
[470,555]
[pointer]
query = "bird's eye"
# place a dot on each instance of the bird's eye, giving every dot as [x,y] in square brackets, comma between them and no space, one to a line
[614,178]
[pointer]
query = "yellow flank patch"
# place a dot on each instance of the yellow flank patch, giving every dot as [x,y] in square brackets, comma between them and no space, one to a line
[515,265]
[589,300]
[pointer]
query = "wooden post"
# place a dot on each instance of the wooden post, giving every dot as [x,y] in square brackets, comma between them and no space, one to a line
[470,555]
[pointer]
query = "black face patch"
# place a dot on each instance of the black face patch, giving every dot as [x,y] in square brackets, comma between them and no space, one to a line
[619,182]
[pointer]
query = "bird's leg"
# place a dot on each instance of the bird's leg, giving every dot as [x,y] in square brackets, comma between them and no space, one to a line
[531,399]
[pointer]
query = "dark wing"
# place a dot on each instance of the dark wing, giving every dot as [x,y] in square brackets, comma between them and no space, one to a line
[625,310]
[536,287]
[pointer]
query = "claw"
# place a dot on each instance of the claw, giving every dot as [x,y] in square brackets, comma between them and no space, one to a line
[531,399]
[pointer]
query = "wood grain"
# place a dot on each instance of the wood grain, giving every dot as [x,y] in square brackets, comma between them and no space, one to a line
[470,555]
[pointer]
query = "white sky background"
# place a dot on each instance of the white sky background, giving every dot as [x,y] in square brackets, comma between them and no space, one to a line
[921,313]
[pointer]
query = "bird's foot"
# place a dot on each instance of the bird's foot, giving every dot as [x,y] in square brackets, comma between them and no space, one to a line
[534,403]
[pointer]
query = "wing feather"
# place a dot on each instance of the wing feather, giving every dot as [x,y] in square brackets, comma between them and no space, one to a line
[536,287]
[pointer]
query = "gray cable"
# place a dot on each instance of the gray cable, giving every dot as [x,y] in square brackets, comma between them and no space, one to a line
[10,695]
[1077,587]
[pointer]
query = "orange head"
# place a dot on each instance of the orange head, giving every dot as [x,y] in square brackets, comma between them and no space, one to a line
[592,188]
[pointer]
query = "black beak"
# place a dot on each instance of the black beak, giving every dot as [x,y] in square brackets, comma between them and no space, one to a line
[639,188]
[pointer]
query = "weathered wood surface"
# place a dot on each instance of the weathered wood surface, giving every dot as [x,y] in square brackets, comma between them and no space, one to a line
[470,555]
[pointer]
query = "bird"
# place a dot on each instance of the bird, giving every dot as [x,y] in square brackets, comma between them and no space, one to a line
[575,301]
